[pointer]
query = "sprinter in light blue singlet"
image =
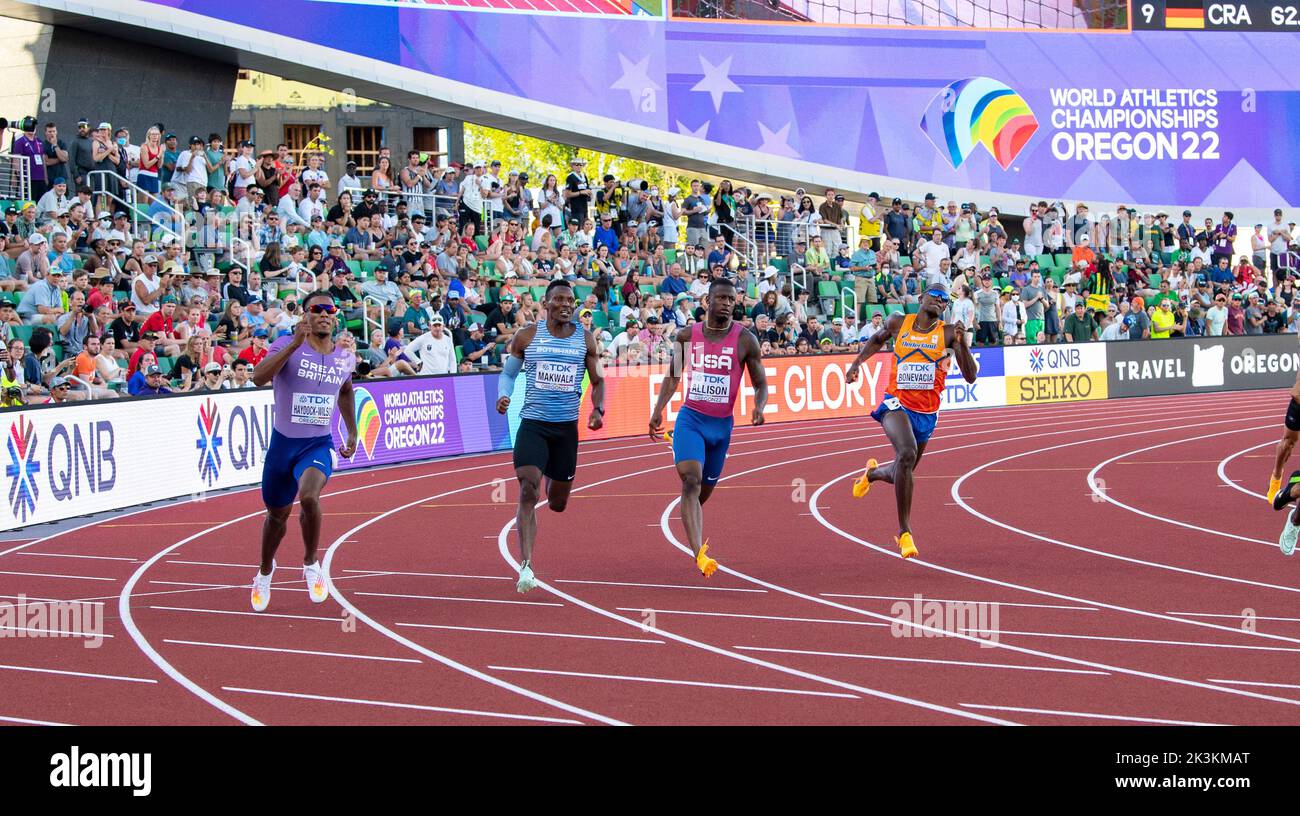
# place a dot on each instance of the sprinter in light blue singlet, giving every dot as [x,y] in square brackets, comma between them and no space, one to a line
[554,354]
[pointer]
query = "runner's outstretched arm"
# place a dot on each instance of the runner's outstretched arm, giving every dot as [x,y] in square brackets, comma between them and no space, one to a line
[269,367]
[672,378]
[752,357]
[597,378]
[875,344]
[956,340]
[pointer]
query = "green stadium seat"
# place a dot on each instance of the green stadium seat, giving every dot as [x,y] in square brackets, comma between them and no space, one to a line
[912,308]
[872,310]
[538,292]
[904,260]
[781,265]
[477,317]
[166,364]
[646,289]
[1057,275]
[599,319]
[670,255]
[828,289]
[368,268]
[481,241]
[1155,279]
[985,261]
[892,309]
[460,354]
[355,266]
[581,291]
[23,333]
[1046,262]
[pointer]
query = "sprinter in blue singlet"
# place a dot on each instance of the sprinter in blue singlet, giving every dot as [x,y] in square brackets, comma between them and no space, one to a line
[553,354]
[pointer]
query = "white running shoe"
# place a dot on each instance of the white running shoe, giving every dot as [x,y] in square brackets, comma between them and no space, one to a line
[316,586]
[262,590]
[1289,534]
[527,580]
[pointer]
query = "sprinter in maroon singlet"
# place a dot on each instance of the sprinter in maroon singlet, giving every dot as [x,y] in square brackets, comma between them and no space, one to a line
[714,355]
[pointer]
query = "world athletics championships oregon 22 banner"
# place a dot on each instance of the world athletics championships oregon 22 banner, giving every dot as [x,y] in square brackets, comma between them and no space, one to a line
[1153,117]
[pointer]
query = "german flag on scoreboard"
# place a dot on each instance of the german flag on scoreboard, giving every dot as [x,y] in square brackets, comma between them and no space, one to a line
[1184,14]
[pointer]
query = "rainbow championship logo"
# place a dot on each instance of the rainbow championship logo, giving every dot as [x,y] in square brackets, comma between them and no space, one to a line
[209,442]
[368,421]
[22,468]
[978,111]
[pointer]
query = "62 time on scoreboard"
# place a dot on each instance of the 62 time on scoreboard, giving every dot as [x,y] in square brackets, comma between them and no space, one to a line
[1209,15]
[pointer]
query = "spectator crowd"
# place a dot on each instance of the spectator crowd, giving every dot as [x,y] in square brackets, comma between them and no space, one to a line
[171,265]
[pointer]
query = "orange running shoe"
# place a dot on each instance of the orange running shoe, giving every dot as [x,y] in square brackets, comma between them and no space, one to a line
[906,546]
[862,485]
[707,565]
[1274,485]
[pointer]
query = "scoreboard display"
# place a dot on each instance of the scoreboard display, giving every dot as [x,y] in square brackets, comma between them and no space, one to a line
[1209,15]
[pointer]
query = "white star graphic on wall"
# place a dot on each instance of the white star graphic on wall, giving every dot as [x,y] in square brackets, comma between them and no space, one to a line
[776,144]
[716,83]
[702,132]
[635,79]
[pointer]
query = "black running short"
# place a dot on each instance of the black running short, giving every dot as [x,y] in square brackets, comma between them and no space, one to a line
[1293,416]
[551,447]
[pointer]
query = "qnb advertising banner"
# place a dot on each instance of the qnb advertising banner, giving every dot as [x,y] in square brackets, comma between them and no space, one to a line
[1059,373]
[1197,364]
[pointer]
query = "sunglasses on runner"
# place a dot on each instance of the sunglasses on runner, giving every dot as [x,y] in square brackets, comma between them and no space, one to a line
[937,294]
[322,308]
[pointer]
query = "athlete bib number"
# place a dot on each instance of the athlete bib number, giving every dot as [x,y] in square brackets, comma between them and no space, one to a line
[552,376]
[312,409]
[712,388]
[915,376]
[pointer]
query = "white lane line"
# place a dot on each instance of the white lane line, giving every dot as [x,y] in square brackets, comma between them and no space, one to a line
[1223,473]
[813,500]
[1237,616]
[1084,714]
[91,675]
[936,661]
[1152,641]
[91,557]
[749,616]
[667,681]
[32,599]
[435,575]
[60,632]
[412,706]
[1092,485]
[1254,683]
[24,721]
[524,632]
[950,600]
[57,575]
[454,598]
[1102,553]
[659,586]
[278,567]
[279,650]
[248,614]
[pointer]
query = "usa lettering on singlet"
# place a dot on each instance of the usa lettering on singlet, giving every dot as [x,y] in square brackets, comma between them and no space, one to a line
[553,372]
[919,370]
[712,372]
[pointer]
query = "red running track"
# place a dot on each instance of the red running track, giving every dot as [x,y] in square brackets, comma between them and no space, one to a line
[1123,542]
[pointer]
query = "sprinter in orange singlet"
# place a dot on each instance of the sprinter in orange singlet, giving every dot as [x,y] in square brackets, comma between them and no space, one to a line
[910,407]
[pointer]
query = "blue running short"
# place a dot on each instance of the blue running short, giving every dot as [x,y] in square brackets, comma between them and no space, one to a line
[286,459]
[922,424]
[704,439]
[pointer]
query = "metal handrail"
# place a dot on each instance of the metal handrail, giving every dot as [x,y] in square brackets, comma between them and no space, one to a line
[849,301]
[798,279]
[175,229]
[367,322]
[15,177]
